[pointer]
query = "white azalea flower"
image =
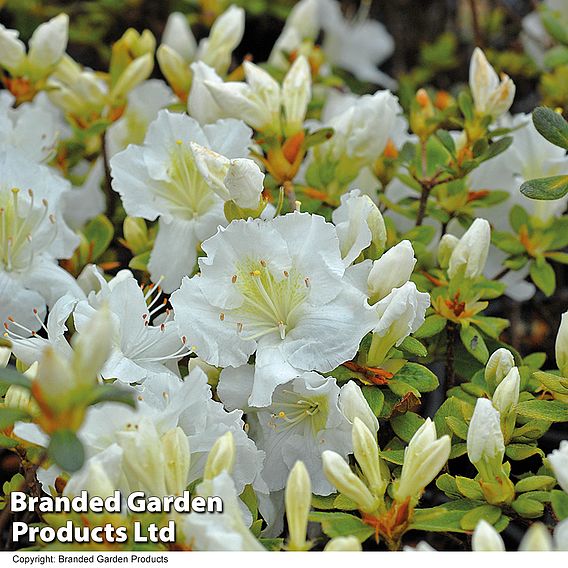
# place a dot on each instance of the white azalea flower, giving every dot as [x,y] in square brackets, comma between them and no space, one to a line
[46,47]
[359,223]
[140,348]
[278,289]
[178,35]
[219,531]
[470,253]
[262,103]
[559,462]
[33,235]
[143,104]
[356,45]
[160,179]
[200,104]
[303,420]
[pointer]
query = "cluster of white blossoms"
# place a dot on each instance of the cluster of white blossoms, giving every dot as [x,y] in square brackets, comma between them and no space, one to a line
[253,329]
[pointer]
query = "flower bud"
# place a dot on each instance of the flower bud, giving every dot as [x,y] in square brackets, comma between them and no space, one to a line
[536,539]
[339,474]
[12,50]
[471,251]
[424,457]
[445,249]
[226,33]
[245,182]
[298,498]
[92,347]
[200,104]
[137,72]
[5,354]
[54,377]
[353,405]
[490,96]
[498,367]
[506,395]
[485,445]
[143,458]
[391,271]
[399,314]
[366,451]
[179,37]
[136,234]
[48,43]
[486,539]
[221,456]
[558,460]
[175,70]
[176,460]
[296,94]
[562,346]
[343,544]
[561,536]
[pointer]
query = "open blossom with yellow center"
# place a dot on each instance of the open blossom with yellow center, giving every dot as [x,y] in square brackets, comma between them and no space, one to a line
[303,420]
[160,179]
[33,235]
[278,289]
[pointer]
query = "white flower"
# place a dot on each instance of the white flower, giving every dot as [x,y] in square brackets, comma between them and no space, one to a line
[354,405]
[161,179]
[226,33]
[484,437]
[366,451]
[239,180]
[139,348]
[359,224]
[398,315]
[506,395]
[357,46]
[143,104]
[424,457]
[278,289]
[561,346]
[343,544]
[303,420]
[472,250]
[258,101]
[536,539]
[361,131]
[490,96]
[530,156]
[46,47]
[391,271]
[219,531]
[486,539]
[33,235]
[200,103]
[558,460]
[178,35]
[498,366]
[30,128]
[221,456]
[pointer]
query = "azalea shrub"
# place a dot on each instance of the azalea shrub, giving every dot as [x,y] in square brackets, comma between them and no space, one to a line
[287,283]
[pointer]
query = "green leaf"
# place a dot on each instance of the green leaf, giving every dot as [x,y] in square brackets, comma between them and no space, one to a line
[375,398]
[140,261]
[543,276]
[432,326]
[551,410]
[559,501]
[518,452]
[465,103]
[553,383]
[99,232]
[527,507]
[273,544]
[474,343]
[318,137]
[488,513]
[393,456]
[518,218]
[457,426]
[554,187]
[447,141]
[413,346]
[6,442]
[496,148]
[9,376]
[342,524]
[10,415]
[448,485]
[551,125]
[66,450]
[535,483]
[458,450]
[344,503]
[469,487]
[405,425]
[437,519]
[323,502]
[417,376]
